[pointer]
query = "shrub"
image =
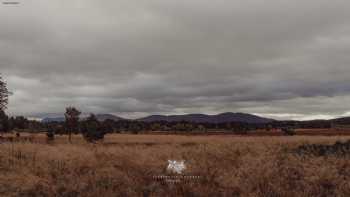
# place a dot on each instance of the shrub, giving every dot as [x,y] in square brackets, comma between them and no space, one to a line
[92,129]
[288,131]
[339,148]
[50,136]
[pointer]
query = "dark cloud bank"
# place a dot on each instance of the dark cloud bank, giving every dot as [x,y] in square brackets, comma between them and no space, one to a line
[279,58]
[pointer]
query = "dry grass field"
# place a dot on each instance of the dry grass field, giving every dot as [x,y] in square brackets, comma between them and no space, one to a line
[130,165]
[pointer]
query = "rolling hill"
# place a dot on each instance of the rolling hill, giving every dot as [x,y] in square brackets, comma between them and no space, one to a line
[100,117]
[203,118]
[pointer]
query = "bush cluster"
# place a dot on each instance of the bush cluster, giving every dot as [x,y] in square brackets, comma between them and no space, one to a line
[92,129]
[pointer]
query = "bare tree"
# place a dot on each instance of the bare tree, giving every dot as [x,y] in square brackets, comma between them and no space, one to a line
[72,120]
[4,94]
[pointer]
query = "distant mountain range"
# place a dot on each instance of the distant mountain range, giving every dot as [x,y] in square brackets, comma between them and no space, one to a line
[103,117]
[203,118]
[343,120]
[198,118]
[100,117]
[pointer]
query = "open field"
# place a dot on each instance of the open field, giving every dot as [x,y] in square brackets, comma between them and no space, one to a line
[130,165]
[274,132]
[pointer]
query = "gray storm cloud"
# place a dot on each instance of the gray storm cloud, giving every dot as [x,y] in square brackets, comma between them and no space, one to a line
[279,58]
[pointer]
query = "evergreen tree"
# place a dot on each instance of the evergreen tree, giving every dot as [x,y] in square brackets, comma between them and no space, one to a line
[92,129]
[4,94]
[72,121]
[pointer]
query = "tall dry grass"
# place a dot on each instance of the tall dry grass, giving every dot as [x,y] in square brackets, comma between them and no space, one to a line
[124,165]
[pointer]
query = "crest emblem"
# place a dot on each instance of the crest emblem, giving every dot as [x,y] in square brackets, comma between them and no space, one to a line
[176,166]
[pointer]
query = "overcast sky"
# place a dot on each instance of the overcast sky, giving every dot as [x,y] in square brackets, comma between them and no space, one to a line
[285,59]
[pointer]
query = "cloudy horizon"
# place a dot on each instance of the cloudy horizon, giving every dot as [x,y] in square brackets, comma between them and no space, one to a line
[279,58]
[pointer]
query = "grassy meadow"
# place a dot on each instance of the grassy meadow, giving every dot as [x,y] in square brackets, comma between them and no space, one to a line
[128,165]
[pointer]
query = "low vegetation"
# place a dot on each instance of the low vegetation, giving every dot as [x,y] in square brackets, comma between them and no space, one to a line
[125,165]
[339,149]
[288,131]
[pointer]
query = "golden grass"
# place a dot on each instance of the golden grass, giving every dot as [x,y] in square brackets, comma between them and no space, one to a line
[124,165]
